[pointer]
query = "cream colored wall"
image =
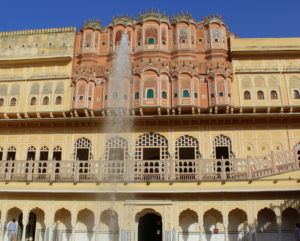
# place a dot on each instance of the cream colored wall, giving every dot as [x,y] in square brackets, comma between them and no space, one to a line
[253,75]
[247,140]
[128,211]
[265,64]
[36,56]
[38,43]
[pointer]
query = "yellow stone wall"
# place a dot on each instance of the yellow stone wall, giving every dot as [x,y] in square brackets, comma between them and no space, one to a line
[247,140]
[266,65]
[42,57]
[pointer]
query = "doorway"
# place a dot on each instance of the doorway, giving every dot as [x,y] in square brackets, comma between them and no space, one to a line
[150,228]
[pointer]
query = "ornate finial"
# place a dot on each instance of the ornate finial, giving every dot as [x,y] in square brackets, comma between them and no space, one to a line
[182,13]
[113,18]
[145,11]
[158,11]
[220,16]
[187,13]
[152,10]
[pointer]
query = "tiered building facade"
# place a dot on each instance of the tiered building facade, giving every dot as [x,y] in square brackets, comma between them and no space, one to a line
[212,154]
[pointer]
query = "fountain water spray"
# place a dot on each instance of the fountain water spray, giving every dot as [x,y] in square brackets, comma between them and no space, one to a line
[118,122]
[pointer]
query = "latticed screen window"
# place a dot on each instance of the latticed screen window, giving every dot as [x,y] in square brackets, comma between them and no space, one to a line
[151,41]
[164,95]
[150,94]
[116,154]
[222,147]
[186,94]
[151,141]
[187,147]
[116,149]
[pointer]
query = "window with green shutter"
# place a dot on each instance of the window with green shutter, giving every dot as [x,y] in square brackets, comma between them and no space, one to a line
[151,41]
[164,95]
[150,94]
[186,94]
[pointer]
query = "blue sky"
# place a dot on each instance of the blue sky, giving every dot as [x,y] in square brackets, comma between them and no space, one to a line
[246,18]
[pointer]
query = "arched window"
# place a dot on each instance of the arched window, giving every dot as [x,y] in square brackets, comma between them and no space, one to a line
[118,37]
[150,93]
[222,147]
[195,95]
[186,94]
[57,156]
[296,94]
[247,95]
[57,153]
[221,94]
[83,149]
[274,95]
[186,150]
[83,153]
[116,151]
[1,102]
[33,101]
[136,95]
[11,153]
[164,94]
[1,153]
[58,100]
[260,95]
[151,146]
[44,157]
[13,102]
[116,148]
[46,100]
[44,153]
[11,156]
[151,149]
[31,153]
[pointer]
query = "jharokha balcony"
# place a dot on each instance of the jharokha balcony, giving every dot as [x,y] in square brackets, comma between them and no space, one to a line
[150,170]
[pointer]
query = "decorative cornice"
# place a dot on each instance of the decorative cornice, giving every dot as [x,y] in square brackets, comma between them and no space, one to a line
[183,17]
[38,31]
[92,24]
[154,16]
[214,18]
[123,20]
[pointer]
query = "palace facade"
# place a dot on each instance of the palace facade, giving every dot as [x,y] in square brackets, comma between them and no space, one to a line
[212,153]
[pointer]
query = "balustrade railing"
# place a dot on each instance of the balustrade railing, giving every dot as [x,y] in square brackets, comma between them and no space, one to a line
[150,170]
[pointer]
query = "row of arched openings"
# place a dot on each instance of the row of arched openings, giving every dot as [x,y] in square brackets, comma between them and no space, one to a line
[152,148]
[150,224]
[273,95]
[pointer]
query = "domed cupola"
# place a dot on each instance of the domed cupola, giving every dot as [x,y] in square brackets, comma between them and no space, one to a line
[183,17]
[92,24]
[153,16]
[122,20]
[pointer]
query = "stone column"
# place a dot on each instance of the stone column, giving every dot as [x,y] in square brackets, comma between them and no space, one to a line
[279,225]
[49,220]
[25,222]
